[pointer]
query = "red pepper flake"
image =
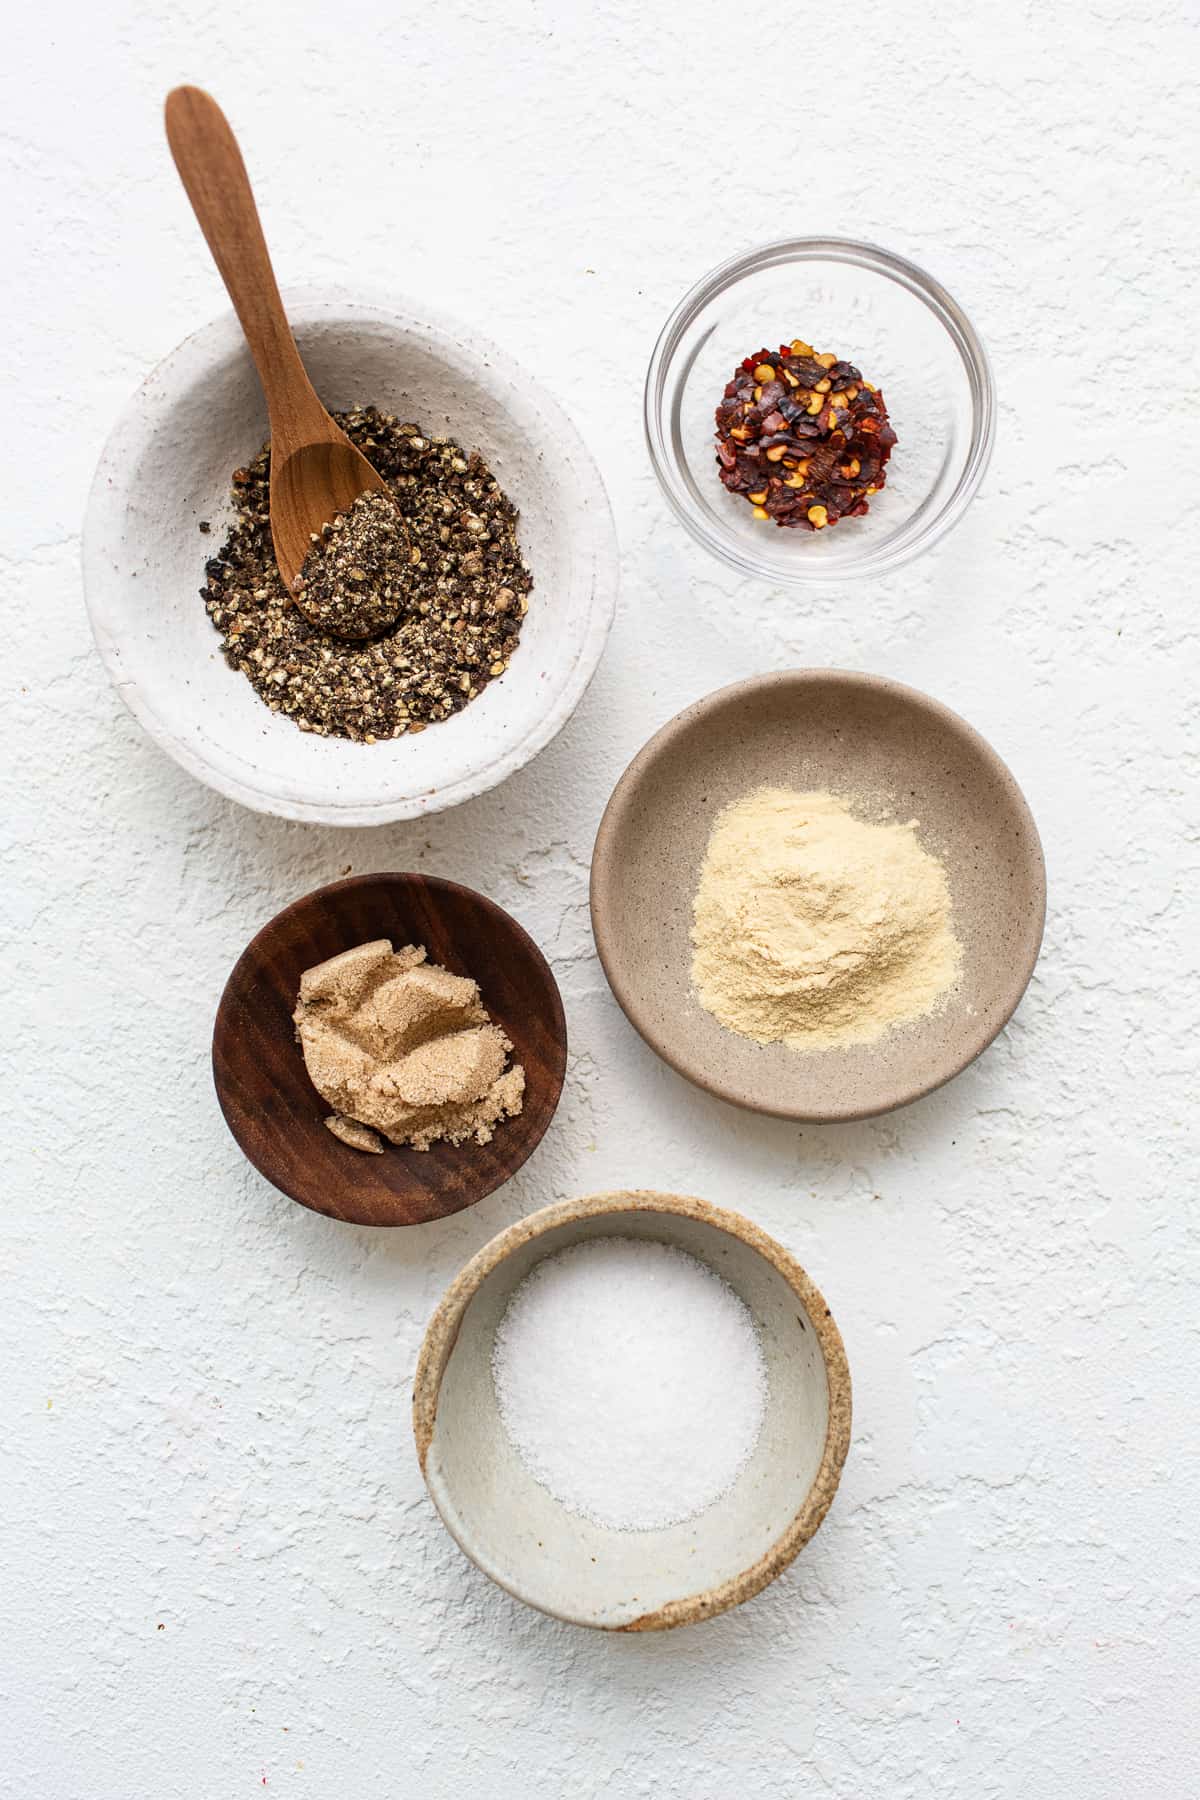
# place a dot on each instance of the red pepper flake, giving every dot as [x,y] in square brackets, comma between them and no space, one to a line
[807,447]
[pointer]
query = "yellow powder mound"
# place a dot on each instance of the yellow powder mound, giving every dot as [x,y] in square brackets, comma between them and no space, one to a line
[816,929]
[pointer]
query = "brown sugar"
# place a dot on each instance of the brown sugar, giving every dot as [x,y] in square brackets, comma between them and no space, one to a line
[398,1045]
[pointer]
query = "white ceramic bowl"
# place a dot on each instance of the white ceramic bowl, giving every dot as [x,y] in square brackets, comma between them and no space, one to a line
[565,1565]
[167,466]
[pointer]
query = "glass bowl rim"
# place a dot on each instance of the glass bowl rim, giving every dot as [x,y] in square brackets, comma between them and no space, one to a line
[860,254]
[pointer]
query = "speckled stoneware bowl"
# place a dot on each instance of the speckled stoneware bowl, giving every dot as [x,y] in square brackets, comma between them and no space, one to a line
[634,1580]
[167,466]
[874,741]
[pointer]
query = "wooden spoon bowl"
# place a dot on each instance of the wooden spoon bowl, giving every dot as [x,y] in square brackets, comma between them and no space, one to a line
[278,1117]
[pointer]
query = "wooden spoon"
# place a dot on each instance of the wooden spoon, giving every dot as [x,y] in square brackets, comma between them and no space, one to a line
[316,472]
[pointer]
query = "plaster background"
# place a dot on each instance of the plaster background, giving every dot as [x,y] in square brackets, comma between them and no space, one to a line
[220,1568]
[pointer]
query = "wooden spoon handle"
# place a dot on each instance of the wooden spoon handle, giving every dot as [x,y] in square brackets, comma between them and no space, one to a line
[212,171]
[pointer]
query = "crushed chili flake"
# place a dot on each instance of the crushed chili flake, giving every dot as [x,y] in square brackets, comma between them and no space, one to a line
[802,437]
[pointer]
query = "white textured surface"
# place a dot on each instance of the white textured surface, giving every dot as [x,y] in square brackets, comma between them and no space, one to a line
[206,1389]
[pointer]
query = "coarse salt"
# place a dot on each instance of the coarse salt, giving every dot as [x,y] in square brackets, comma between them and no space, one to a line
[631,1381]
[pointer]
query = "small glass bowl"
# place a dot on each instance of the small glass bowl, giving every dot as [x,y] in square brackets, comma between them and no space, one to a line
[895,323]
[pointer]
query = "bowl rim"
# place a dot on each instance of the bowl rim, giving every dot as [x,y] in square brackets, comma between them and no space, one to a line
[860,253]
[441,1335]
[594,536]
[223,1026]
[606,870]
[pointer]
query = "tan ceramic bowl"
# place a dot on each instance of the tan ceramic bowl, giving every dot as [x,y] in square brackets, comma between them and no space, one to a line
[858,735]
[634,1580]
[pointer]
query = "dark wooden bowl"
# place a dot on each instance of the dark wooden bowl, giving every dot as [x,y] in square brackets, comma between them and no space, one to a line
[276,1114]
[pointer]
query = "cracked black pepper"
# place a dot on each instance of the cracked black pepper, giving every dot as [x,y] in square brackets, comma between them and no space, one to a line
[355,579]
[465,597]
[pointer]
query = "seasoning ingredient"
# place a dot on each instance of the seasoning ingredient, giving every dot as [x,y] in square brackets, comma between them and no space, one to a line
[815,928]
[803,437]
[359,1137]
[403,1047]
[355,578]
[466,598]
[631,1381]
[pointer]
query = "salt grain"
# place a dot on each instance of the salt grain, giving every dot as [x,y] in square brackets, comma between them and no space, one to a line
[631,1381]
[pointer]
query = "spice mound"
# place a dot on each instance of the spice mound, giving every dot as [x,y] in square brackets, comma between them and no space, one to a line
[401,1046]
[803,437]
[814,928]
[355,578]
[465,597]
[630,1380]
